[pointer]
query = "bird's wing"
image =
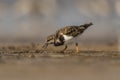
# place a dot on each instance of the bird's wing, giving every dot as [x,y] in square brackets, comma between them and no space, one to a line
[69,30]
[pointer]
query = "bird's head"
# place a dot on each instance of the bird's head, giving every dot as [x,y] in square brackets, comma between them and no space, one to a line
[49,40]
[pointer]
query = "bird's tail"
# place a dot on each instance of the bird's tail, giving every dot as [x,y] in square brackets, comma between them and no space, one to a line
[86,25]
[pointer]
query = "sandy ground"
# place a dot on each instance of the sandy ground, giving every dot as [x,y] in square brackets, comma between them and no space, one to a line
[19,64]
[61,68]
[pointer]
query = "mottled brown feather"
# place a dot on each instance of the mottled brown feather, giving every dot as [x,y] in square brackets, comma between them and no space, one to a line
[74,31]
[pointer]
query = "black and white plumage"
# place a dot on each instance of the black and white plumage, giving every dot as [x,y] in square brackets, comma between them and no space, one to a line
[64,34]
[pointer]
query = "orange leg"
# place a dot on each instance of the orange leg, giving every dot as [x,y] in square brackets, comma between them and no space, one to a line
[76,48]
[64,49]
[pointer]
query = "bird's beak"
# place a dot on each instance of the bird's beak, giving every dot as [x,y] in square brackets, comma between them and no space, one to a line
[45,45]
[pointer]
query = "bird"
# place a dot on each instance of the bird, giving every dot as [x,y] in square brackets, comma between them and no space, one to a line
[61,36]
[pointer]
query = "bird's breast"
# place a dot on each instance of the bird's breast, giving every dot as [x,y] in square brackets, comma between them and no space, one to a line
[67,37]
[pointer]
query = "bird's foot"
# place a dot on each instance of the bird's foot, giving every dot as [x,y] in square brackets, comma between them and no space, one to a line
[63,51]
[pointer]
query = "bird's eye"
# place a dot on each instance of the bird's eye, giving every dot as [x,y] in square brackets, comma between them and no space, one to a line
[48,40]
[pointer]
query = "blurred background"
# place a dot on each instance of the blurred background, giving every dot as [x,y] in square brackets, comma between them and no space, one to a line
[22,20]
[33,20]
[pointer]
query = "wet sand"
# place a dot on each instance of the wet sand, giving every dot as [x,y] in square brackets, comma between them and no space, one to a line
[60,67]
[30,64]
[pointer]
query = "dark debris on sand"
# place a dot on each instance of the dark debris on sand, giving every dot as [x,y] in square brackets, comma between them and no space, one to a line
[45,53]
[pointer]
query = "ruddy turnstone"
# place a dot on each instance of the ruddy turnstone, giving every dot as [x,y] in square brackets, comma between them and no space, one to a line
[65,34]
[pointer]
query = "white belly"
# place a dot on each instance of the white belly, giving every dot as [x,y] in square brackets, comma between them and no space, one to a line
[67,37]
